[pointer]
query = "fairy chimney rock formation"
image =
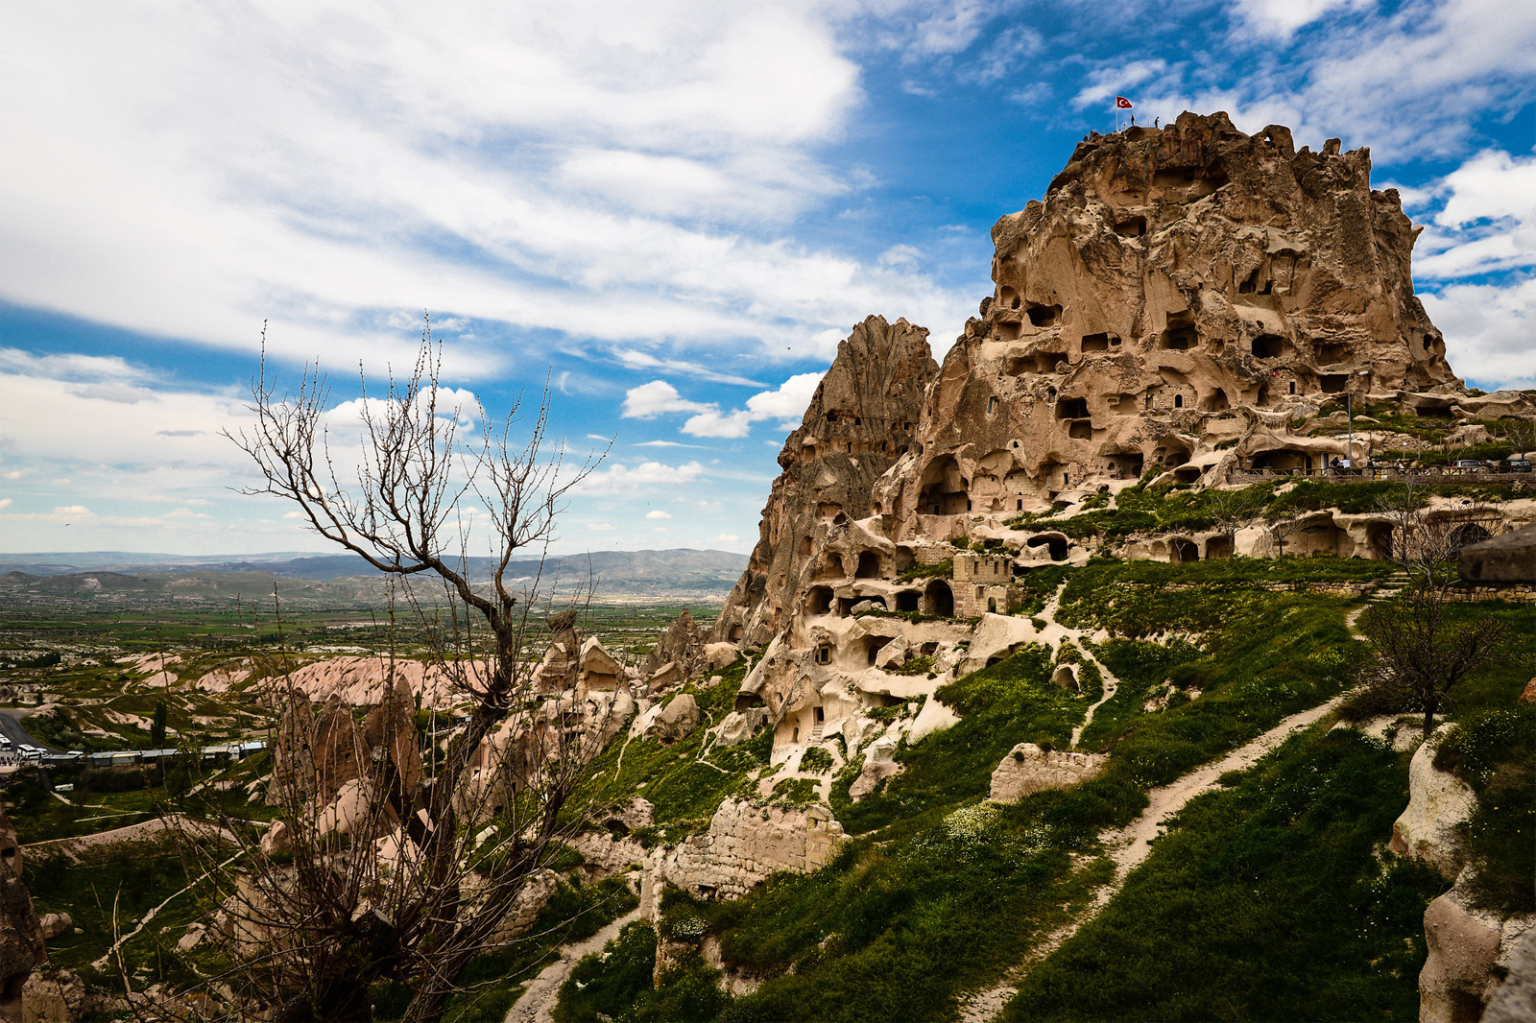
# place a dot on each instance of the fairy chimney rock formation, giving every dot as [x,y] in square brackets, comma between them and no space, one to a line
[859,423]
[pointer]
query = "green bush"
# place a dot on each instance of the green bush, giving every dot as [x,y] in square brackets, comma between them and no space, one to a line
[816,761]
[609,984]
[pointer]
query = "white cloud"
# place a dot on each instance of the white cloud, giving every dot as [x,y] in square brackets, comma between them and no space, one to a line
[599,526]
[1485,221]
[645,360]
[650,400]
[788,400]
[338,168]
[1119,79]
[1406,83]
[725,538]
[657,513]
[5,502]
[717,424]
[617,476]
[1282,18]
[1490,331]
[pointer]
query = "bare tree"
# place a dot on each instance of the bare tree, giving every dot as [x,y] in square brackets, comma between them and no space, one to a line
[386,866]
[1521,433]
[1280,529]
[1420,654]
[1234,509]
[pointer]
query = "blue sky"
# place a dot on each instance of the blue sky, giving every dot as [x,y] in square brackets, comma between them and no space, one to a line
[672,211]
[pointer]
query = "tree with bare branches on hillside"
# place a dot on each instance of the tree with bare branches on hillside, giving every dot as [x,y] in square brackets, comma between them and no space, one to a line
[383,866]
[1420,653]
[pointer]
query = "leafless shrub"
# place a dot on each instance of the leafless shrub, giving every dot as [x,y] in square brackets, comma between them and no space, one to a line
[382,864]
[1420,656]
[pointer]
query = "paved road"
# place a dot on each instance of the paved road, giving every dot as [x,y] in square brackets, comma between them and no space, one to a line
[12,729]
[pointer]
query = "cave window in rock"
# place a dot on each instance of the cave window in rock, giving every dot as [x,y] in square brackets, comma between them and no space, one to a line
[1333,383]
[1282,460]
[1007,297]
[1293,387]
[1127,464]
[992,405]
[824,654]
[805,546]
[1096,342]
[819,600]
[1006,330]
[992,605]
[828,509]
[1330,352]
[1134,227]
[1056,542]
[1218,548]
[1378,537]
[831,417]
[1021,505]
[908,600]
[736,633]
[1182,550]
[940,600]
[1251,285]
[1072,408]
[1467,534]
[1178,401]
[1043,315]
[845,606]
[869,566]
[876,644]
[831,566]
[1081,429]
[944,489]
[1268,346]
[1216,401]
[1050,393]
[1180,335]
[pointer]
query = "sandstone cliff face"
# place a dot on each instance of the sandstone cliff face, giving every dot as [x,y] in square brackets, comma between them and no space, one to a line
[21,933]
[1176,288]
[859,423]
[1176,302]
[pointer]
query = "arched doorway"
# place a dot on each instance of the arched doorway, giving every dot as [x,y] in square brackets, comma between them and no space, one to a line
[940,599]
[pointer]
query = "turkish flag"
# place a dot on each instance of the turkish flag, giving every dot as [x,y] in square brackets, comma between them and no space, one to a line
[1121,103]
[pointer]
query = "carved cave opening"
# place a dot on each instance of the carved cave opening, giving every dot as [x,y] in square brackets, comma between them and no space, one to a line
[1043,315]
[939,599]
[1269,346]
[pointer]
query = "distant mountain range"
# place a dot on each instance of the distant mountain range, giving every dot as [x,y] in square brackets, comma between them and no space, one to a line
[679,572]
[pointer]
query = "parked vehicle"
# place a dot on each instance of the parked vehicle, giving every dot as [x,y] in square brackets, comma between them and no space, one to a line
[1515,465]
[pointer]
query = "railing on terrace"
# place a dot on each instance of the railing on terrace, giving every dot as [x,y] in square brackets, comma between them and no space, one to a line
[1427,477]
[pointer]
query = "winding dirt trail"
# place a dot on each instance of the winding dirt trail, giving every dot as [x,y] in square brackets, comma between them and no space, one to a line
[1129,846]
[1111,687]
[537,1003]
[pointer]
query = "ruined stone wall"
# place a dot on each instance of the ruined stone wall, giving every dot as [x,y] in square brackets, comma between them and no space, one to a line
[1028,768]
[746,843]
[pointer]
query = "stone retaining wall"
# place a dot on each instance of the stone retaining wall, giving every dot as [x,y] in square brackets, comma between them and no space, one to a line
[1028,768]
[746,843]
